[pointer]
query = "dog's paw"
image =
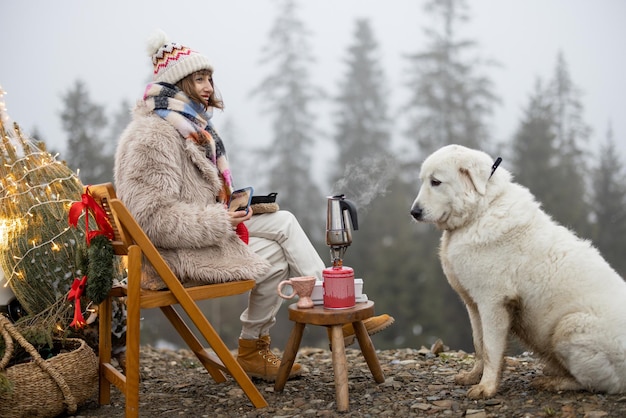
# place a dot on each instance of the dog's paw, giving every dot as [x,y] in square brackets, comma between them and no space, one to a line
[556,383]
[468,377]
[482,391]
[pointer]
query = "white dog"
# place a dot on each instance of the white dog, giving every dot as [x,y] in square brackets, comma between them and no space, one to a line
[518,271]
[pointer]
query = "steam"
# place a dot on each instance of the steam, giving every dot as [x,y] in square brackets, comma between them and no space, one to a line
[365,180]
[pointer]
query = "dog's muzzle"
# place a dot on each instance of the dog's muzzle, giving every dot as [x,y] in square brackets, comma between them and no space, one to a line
[417,213]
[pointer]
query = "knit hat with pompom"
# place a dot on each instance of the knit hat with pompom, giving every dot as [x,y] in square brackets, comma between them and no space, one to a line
[173,62]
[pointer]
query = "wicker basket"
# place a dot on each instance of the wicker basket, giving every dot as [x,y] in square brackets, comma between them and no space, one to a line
[47,388]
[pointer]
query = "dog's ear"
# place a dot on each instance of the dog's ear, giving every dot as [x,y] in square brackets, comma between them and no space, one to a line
[477,176]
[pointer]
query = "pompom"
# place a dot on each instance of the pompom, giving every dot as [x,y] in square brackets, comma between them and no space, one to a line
[156,41]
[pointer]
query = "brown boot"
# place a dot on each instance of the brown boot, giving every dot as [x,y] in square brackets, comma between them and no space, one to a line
[373,325]
[257,360]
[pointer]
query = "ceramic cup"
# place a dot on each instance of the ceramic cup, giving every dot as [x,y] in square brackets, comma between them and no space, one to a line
[303,287]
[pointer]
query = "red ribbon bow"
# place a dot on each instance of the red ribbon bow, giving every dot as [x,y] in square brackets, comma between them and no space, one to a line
[78,287]
[89,204]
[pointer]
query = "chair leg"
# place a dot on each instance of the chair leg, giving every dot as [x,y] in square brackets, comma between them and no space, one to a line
[192,342]
[221,350]
[133,315]
[340,368]
[289,356]
[367,348]
[104,349]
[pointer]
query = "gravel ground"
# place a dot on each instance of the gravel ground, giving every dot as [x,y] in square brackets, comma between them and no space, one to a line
[418,383]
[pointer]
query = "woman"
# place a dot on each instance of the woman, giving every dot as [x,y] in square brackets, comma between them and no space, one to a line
[172,173]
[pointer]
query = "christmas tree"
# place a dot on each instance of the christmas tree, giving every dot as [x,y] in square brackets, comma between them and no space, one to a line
[37,246]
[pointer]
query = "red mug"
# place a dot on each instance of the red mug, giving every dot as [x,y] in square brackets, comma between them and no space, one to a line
[339,288]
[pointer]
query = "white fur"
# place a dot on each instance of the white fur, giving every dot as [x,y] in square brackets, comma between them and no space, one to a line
[518,271]
[156,41]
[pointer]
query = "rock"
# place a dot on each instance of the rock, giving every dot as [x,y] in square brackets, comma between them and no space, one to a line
[437,347]
[421,406]
[475,413]
[595,414]
[444,403]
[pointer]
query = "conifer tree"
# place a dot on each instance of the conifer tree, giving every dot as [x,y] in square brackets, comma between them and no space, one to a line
[365,164]
[572,135]
[548,151]
[383,249]
[450,99]
[449,102]
[287,95]
[84,122]
[362,124]
[535,153]
[609,205]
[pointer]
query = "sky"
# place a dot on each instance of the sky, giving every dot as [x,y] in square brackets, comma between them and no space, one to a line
[48,45]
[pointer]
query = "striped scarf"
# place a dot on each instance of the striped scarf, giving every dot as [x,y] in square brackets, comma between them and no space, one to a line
[192,121]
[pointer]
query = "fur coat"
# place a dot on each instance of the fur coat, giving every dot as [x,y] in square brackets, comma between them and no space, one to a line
[171,189]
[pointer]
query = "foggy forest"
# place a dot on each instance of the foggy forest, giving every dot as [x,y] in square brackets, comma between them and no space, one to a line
[450,98]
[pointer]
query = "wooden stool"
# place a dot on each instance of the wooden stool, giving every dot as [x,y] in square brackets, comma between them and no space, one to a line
[335,319]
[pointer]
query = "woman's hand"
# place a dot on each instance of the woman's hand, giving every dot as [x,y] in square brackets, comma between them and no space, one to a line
[239,216]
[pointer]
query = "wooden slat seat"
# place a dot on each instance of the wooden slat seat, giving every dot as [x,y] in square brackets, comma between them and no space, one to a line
[158,298]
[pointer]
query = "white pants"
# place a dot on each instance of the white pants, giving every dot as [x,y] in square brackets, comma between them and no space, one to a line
[279,238]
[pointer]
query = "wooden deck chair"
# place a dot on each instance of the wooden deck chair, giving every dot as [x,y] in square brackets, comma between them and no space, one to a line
[131,241]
